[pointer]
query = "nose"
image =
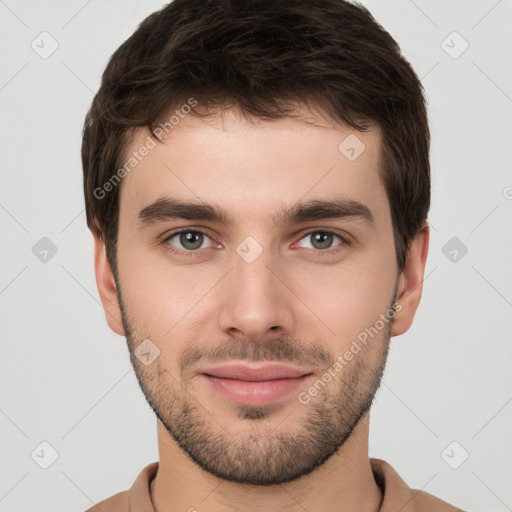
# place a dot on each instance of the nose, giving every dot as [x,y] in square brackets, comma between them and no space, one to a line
[254,300]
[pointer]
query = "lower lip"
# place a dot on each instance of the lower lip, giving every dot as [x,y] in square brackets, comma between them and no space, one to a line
[255,393]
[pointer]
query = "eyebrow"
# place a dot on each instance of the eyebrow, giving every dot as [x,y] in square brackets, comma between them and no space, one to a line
[168,208]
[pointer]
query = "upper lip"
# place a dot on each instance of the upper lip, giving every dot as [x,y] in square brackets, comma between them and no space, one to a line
[251,373]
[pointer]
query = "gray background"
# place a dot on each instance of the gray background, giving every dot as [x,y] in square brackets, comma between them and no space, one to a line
[66,379]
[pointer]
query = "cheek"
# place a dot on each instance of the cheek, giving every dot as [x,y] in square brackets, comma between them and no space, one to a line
[159,296]
[350,296]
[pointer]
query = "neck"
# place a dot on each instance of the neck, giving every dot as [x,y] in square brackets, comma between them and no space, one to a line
[344,483]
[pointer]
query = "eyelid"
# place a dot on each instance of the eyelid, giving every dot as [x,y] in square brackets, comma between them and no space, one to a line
[342,236]
[167,236]
[177,231]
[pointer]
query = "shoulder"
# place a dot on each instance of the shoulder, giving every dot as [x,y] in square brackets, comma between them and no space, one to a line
[427,502]
[117,503]
[138,495]
[397,495]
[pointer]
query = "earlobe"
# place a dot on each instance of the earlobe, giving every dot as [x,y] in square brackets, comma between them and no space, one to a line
[410,282]
[107,287]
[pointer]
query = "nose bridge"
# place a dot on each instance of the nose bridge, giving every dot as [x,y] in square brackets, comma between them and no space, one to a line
[254,300]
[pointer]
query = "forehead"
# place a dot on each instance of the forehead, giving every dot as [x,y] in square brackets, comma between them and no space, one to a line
[252,166]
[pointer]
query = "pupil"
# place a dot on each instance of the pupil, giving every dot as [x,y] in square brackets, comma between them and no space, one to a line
[188,238]
[324,239]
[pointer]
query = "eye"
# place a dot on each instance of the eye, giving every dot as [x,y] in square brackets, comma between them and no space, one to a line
[187,240]
[322,240]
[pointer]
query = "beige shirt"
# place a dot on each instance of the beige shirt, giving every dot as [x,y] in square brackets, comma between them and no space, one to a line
[397,495]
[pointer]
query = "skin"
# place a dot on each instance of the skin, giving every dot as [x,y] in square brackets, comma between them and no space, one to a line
[292,305]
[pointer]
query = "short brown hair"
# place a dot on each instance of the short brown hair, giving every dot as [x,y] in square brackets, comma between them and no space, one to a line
[264,57]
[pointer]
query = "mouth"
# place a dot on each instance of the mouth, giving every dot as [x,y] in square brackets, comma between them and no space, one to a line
[261,385]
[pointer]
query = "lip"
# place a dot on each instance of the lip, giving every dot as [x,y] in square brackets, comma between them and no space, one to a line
[255,385]
[259,373]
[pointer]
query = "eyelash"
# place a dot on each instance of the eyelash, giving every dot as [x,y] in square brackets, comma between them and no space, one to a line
[195,253]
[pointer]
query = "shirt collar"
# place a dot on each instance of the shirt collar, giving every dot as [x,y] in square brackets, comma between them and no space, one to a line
[396,493]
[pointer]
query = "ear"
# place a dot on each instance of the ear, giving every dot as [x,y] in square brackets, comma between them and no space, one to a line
[107,287]
[410,285]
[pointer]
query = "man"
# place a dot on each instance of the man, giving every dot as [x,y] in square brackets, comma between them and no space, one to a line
[257,182]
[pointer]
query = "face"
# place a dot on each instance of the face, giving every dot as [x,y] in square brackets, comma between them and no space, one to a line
[293,264]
